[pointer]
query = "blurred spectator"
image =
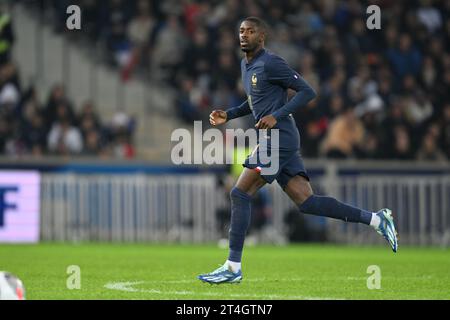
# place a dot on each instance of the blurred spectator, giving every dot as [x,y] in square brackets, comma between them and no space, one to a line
[58,100]
[199,54]
[36,135]
[402,149]
[429,16]
[307,69]
[428,73]
[224,73]
[312,137]
[122,147]
[429,149]
[114,20]
[121,129]
[283,45]
[92,143]
[88,119]
[419,108]
[370,147]
[9,96]
[368,109]
[361,86]
[405,59]
[64,138]
[168,49]
[139,32]
[344,136]
[190,100]
[9,89]
[142,25]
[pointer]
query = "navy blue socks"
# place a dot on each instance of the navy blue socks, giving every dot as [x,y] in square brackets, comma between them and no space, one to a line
[330,207]
[315,205]
[240,221]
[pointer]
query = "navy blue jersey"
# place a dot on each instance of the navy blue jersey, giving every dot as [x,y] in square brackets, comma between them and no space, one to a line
[266,79]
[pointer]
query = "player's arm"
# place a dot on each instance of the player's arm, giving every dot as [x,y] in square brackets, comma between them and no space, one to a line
[218,117]
[280,73]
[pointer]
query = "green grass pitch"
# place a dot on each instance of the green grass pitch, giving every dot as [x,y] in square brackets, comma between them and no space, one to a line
[139,271]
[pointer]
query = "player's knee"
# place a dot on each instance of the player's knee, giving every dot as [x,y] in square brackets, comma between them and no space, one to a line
[233,193]
[236,194]
[302,194]
[305,197]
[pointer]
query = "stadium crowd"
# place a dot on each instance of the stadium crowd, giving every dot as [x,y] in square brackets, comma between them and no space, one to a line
[382,94]
[56,127]
[29,128]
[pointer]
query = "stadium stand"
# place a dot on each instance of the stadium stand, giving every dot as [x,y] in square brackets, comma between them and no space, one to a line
[383,94]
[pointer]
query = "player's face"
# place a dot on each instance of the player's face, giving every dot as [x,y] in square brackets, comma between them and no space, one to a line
[250,37]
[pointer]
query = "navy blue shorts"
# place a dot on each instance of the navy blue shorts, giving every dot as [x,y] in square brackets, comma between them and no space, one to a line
[290,165]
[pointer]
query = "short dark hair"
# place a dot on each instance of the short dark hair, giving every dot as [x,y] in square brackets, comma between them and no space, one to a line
[260,23]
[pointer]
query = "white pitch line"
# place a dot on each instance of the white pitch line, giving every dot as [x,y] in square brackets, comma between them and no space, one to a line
[246,280]
[129,287]
[425,278]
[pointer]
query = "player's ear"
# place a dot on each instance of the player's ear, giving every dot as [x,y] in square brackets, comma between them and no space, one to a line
[262,37]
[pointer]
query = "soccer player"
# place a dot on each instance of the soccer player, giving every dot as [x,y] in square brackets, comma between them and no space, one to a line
[266,78]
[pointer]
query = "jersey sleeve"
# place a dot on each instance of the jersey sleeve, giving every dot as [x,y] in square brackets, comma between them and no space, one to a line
[279,73]
[240,111]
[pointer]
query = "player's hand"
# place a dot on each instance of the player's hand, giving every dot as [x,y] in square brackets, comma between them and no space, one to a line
[217,117]
[267,122]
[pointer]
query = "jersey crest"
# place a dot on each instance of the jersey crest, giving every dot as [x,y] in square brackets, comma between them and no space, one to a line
[254,80]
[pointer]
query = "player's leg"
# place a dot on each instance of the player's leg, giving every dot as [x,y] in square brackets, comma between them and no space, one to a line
[249,182]
[299,190]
